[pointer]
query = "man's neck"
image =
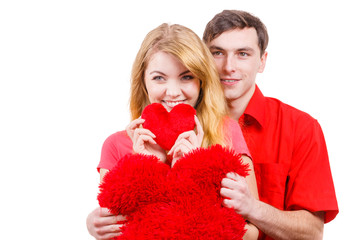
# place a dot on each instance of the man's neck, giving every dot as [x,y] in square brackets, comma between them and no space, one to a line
[237,106]
[236,110]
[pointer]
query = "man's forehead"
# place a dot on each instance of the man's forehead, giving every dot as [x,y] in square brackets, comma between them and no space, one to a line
[235,39]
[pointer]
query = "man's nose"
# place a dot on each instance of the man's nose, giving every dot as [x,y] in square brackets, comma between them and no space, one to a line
[229,64]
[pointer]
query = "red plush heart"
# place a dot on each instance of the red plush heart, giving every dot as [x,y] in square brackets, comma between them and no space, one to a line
[181,202]
[168,125]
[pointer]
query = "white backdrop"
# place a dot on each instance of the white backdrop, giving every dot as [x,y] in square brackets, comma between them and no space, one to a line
[64,71]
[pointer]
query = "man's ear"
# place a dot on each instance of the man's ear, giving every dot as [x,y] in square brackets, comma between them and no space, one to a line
[263,62]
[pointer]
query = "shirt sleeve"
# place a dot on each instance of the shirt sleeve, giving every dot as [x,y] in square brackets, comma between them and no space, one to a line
[235,138]
[310,183]
[114,148]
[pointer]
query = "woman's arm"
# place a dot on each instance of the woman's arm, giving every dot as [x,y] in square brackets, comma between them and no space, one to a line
[252,231]
[251,179]
[100,223]
[237,190]
[239,193]
[102,173]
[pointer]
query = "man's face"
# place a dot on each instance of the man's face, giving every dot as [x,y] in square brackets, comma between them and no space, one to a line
[237,57]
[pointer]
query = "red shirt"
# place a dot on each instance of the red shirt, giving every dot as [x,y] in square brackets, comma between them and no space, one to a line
[289,155]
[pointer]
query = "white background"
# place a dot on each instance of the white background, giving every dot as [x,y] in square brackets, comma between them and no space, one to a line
[64,71]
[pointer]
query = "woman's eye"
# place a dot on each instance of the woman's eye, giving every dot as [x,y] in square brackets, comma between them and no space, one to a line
[187,77]
[158,78]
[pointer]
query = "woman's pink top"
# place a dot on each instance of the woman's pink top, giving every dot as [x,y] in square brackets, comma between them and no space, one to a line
[119,144]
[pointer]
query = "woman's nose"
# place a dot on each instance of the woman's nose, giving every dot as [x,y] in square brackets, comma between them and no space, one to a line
[173,89]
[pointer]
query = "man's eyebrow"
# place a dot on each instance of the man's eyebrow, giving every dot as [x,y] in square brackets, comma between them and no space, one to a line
[245,49]
[242,49]
[216,48]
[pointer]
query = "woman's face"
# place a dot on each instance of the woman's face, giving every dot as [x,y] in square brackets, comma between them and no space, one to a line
[169,82]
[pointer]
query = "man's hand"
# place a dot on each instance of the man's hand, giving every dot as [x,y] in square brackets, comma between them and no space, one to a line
[236,192]
[102,225]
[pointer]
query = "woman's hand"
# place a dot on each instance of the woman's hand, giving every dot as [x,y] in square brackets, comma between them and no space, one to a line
[102,225]
[186,142]
[143,140]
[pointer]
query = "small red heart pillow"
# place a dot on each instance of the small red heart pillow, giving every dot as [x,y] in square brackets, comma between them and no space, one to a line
[167,126]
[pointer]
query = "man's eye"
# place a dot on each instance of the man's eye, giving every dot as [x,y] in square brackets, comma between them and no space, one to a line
[216,53]
[243,54]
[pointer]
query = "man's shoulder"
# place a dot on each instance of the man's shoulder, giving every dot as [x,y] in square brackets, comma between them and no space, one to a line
[284,110]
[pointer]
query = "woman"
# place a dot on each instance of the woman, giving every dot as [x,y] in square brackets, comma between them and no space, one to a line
[173,66]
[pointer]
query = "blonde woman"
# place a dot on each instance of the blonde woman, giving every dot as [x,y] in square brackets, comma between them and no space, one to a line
[173,66]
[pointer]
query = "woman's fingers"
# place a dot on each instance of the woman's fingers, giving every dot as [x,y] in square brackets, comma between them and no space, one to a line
[141,140]
[181,147]
[187,141]
[133,125]
[189,136]
[179,153]
[142,132]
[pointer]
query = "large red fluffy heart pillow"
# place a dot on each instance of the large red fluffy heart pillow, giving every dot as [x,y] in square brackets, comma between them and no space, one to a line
[182,202]
[168,125]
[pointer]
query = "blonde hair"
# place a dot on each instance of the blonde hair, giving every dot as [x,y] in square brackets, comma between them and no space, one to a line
[185,45]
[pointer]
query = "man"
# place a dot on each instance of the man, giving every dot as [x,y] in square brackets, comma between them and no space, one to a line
[291,163]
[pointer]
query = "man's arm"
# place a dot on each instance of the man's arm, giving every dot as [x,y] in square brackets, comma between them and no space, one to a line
[277,224]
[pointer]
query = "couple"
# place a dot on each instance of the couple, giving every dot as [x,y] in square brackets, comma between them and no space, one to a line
[292,195]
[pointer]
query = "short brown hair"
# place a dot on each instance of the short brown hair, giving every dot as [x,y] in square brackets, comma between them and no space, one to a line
[231,19]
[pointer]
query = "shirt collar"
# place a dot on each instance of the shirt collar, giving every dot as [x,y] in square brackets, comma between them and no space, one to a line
[256,107]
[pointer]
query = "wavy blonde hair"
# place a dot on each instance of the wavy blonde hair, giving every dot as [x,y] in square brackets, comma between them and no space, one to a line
[187,47]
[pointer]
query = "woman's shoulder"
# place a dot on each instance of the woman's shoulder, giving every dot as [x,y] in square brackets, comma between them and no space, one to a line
[116,146]
[120,135]
[230,125]
[119,139]
[234,136]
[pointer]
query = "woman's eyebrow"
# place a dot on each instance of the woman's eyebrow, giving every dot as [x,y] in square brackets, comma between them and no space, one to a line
[185,72]
[157,72]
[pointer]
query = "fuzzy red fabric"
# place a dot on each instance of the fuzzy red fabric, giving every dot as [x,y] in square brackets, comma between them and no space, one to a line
[182,202]
[168,125]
